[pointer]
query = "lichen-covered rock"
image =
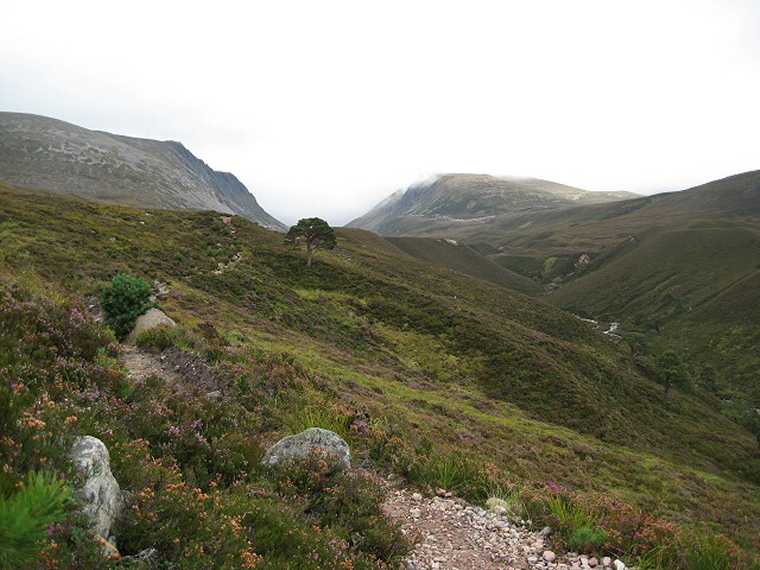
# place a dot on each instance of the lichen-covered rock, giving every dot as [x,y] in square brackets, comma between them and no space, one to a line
[149,320]
[311,441]
[99,495]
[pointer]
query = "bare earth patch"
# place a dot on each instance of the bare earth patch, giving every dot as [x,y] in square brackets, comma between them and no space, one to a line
[178,368]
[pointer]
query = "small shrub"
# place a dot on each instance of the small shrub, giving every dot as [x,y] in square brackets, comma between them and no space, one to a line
[347,504]
[569,514]
[586,539]
[124,299]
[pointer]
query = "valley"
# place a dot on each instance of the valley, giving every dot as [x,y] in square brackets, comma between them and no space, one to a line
[454,381]
[494,340]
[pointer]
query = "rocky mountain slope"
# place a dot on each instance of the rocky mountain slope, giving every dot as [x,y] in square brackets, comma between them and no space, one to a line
[47,153]
[458,205]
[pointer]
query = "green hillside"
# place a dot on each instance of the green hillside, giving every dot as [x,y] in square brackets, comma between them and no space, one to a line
[445,379]
[678,267]
[465,260]
[690,288]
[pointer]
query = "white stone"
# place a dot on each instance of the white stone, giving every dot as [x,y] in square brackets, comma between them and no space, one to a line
[99,495]
[549,556]
[619,564]
[313,440]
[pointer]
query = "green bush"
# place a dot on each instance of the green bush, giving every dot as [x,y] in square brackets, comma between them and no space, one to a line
[124,299]
[25,516]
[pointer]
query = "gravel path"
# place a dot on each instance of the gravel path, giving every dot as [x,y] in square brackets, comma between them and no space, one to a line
[450,534]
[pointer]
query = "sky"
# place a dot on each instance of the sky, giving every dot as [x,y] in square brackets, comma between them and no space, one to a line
[323,108]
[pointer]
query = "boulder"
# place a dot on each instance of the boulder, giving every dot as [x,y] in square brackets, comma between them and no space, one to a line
[310,441]
[99,495]
[151,319]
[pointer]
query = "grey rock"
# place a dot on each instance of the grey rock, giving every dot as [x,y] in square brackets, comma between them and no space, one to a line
[99,495]
[151,319]
[313,440]
[546,531]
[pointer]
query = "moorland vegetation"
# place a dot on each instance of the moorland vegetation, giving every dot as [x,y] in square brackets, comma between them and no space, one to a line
[440,378]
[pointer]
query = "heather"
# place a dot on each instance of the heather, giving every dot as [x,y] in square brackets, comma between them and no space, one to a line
[190,465]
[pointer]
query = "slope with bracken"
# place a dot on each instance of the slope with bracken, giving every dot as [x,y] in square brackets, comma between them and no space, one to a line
[452,366]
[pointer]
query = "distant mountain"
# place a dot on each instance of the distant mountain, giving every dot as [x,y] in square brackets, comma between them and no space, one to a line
[47,153]
[461,205]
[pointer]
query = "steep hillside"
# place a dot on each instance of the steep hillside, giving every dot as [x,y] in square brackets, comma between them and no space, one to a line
[444,379]
[679,266]
[48,153]
[466,260]
[464,205]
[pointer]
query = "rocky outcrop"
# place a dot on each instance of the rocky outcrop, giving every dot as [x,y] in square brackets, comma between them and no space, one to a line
[309,442]
[99,495]
[151,319]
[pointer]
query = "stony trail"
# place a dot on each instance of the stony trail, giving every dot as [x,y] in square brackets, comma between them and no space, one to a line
[450,534]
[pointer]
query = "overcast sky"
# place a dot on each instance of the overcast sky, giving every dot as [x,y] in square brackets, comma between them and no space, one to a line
[323,108]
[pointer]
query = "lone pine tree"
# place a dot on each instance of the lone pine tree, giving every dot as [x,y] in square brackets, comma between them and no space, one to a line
[315,233]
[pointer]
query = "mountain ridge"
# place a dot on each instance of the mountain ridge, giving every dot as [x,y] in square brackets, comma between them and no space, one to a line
[452,201]
[51,154]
